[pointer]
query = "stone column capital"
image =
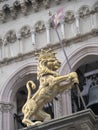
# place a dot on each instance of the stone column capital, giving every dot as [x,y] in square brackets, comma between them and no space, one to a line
[6,107]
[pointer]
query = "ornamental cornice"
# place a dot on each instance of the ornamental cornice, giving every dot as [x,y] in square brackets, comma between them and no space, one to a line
[27,6]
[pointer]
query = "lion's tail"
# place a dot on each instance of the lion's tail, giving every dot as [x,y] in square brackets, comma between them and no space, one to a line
[30,84]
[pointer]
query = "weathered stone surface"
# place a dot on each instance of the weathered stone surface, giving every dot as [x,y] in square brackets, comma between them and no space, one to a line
[83,120]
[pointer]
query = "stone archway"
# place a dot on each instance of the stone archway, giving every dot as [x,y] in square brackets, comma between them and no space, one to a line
[10,88]
[83,54]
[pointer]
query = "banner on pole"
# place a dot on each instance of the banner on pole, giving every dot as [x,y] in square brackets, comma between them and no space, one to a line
[58,17]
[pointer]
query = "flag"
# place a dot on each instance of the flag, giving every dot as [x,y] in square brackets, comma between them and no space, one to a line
[58,17]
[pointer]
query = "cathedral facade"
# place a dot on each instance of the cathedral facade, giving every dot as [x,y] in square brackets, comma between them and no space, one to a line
[25,28]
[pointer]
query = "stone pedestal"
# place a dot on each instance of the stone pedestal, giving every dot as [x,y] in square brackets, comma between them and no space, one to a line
[83,120]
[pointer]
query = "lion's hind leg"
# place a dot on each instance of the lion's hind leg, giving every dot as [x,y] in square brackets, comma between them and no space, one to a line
[43,116]
[26,120]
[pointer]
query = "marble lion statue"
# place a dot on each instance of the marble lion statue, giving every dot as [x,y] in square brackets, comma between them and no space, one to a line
[51,84]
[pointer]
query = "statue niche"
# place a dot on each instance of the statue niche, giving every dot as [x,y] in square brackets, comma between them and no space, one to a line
[51,84]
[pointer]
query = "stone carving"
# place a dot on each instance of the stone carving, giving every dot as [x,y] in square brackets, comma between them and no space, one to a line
[2,16]
[69,17]
[51,84]
[95,7]
[84,11]
[39,26]
[13,12]
[35,5]
[57,1]
[1,42]
[25,31]
[16,4]
[24,8]
[5,107]
[46,3]
[11,36]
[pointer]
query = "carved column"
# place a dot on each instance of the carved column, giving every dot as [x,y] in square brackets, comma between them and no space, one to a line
[6,116]
[77,23]
[66,101]
[5,49]
[1,117]
[93,21]
[20,46]
[58,108]
[63,29]
[48,33]
[33,35]
[1,44]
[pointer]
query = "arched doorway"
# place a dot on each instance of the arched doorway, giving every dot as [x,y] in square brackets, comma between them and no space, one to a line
[15,95]
[87,54]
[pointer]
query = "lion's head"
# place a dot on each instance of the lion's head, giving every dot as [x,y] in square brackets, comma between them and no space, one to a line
[48,63]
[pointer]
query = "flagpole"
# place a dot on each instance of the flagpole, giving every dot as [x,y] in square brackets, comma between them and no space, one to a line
[61,44]
[69,65]
[63,48]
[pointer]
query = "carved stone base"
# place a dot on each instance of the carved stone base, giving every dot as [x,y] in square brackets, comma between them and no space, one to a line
[83,120]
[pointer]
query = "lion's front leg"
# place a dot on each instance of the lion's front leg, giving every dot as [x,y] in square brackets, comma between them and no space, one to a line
[72,77]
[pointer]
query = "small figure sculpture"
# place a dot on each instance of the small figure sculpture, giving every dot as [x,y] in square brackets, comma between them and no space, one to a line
[51,84]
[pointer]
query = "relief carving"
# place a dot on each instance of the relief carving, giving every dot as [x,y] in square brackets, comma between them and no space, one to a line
[84,11]
[35,5]
[2,16]
[69,17]
[57,1]
[46,3]
[24,8]
[39,26]
[11,36]
[13,12]
[95,7]
[25,31]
